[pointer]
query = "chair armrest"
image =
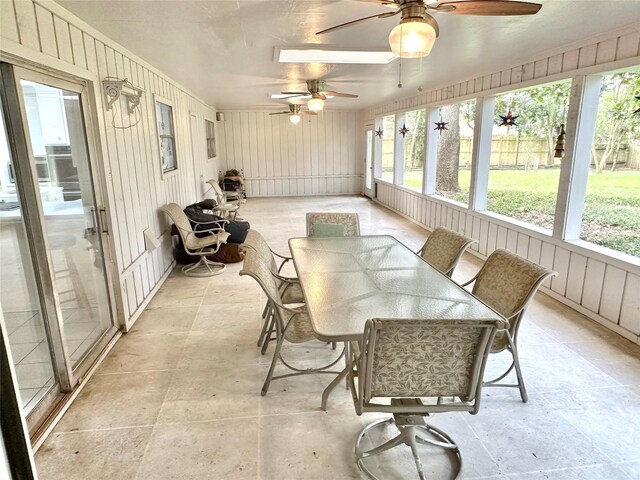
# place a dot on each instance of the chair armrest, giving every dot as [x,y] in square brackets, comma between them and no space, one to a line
[220,223]
[473,279]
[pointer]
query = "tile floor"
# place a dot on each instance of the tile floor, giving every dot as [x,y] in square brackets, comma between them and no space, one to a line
[178,397]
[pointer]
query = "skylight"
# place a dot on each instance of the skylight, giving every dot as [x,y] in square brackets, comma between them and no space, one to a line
[316,55]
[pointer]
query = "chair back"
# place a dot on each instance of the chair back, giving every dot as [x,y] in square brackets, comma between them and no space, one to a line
[444,248]
[425,358]
[217,191]
[507,282]
[257,242]
[323,224]
[181,221]
[256,266]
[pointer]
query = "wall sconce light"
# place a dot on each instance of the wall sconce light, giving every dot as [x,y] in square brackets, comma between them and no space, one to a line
[114,88]
[220,116]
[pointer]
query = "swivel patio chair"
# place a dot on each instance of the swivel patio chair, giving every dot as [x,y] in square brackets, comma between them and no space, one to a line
[444,248]
[224,206]
[332,224]
[416,363]
[200,246]
[291,324]
[507,283]
[289,288]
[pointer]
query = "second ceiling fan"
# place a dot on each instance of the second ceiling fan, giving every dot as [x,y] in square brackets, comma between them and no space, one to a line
[415,35]
[318,92]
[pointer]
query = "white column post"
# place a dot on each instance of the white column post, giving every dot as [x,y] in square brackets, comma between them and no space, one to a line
[574,171]
[398,151]
[430,151]
[481,153]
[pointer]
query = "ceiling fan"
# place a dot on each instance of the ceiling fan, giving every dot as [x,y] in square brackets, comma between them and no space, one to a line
[318,92]
[294,113]
[415,35]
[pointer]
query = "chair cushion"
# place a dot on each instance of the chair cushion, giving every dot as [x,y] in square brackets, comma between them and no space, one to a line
[328,230]
[299,329]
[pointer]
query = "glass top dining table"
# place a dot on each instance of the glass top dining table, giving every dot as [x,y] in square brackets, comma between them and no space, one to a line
[348,280]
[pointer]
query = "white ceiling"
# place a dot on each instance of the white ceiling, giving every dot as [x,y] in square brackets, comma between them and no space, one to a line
[223,50]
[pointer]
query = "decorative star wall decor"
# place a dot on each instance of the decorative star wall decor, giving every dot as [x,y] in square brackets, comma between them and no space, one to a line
[404,130]
[441,126]
[508,120]
[379,133]
[638,110]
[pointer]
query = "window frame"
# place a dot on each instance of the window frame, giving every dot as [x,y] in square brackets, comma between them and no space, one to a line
[157,99]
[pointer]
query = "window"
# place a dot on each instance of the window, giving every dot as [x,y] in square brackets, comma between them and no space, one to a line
[524,173]
[453,162]
[612,204]
[414,149]
[210,130]
[166,136]
[387,141]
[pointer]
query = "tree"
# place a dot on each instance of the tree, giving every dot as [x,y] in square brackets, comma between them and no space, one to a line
[449,150]
[617,124]
[541,110]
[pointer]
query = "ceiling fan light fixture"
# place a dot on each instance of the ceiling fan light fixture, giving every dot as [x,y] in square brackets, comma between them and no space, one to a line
[294,118]
[413,38]
[315,104]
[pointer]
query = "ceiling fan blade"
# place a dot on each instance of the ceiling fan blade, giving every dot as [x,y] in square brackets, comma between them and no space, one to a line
[280,113]
[489,7]
[354,22]
[305,112]
[294,93]
[338,94]
[385,3]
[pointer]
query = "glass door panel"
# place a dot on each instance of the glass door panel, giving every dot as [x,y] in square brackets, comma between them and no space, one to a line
[19,294]
[368,167]
[61,161]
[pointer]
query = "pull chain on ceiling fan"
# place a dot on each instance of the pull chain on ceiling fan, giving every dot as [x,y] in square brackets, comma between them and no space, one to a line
[417,31]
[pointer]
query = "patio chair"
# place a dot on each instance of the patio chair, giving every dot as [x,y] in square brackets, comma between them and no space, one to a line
[291,324]
[444,248]
[333,224]
[224,207]
[507,283]
[416,363]
[199,246]
[290,290]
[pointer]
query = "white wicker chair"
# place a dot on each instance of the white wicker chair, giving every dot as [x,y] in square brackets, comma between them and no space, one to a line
[200,246]
[507,283]
[408,360]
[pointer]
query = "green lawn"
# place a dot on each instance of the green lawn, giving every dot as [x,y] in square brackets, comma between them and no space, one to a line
[612,208]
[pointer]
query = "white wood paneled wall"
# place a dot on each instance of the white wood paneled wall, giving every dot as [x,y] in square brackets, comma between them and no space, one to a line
[316,157]
[44,33]
[601,286]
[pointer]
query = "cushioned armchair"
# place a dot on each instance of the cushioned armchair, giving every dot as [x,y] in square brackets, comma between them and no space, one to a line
[206,241]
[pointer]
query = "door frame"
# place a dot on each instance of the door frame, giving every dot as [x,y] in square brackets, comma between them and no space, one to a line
[67,377]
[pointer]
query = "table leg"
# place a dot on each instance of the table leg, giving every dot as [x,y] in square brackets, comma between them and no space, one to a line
[331,386]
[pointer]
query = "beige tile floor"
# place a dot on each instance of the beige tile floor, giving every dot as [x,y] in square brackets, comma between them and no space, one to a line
[178,397]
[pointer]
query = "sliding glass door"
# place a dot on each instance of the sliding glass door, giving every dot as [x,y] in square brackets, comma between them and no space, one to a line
[54,289]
